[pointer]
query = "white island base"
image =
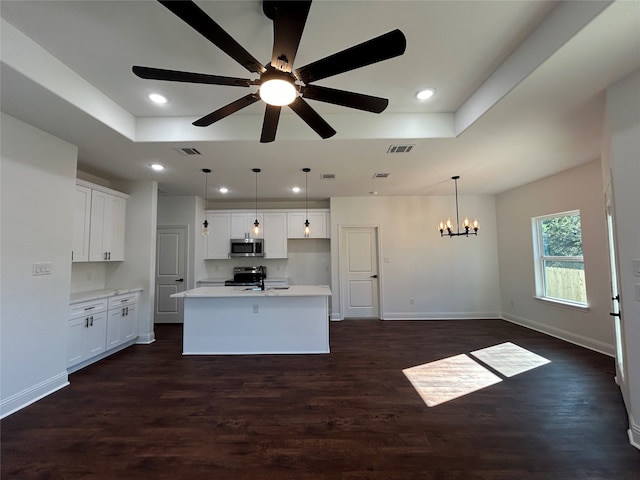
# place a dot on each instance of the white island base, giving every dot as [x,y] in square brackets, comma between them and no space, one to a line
[240,321]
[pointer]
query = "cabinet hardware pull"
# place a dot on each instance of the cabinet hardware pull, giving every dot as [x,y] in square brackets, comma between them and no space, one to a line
[86,322]
[89,308]
[615,314]
[109,255]
[91,320]
[127,311]
[105,255]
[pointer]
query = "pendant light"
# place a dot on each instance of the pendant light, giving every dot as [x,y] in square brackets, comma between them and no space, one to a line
[256,224]
[446,228]
[205,224]
[307,230]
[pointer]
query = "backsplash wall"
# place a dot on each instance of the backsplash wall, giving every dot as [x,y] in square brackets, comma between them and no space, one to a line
[309,263]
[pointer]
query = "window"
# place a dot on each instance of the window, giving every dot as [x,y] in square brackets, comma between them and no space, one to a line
[559,264]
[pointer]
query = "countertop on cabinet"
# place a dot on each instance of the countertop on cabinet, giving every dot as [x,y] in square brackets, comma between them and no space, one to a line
[241,291]
[96,294]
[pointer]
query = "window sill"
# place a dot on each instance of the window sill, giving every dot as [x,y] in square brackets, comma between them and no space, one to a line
[564,304]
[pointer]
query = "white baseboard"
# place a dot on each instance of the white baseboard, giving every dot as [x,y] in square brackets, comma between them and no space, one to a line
[441,316]
[634,434]
[33,394]
[146,339]
[586,342]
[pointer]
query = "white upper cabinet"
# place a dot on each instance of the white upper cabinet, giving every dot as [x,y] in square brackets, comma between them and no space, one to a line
[242,224]
[99,224]
[106,238]
[318,223]
[275,234]
[217,242]
[81,224]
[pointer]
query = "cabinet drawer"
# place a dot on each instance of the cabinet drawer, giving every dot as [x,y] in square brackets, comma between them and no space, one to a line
[89,307]
[123,300]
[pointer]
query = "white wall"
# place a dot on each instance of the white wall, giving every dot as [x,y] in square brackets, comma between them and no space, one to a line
[448,277]
[622,155]
[139,267]
[576,189]
[37,201]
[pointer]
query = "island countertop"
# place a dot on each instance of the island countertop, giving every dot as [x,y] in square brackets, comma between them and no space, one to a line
[243,291]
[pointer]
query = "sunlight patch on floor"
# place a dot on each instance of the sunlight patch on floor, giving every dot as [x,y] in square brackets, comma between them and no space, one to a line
[444,380]
[509,359]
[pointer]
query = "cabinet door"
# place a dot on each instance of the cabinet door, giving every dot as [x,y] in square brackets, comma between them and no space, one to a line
[99,213]
[94,342]
[114,319]
[81,223]
[75,335]
[275,235]
[217,242]
[317,224]
[129,325]
[242,225]
[115,226]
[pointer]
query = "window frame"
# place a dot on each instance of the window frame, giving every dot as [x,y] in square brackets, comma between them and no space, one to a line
[540,258]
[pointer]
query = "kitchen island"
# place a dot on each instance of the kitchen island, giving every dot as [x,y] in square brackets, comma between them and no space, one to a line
[243,320]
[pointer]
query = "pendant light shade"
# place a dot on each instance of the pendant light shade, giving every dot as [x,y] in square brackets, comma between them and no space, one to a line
[446,227]
[205,224]
[307,229]
[256,224]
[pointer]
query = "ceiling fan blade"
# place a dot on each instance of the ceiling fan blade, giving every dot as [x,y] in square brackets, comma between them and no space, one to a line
[178,76]
[289,18]
[190,13]
[344,98]
[372,51]
[226,110]
[309,115]
[270,124]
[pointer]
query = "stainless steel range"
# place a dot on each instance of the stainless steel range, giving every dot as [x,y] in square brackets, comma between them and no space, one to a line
[248,276]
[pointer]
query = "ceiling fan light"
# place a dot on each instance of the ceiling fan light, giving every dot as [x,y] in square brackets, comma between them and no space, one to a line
[278,92]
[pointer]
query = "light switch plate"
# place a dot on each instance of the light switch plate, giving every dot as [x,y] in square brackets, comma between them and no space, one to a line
[41,268]
[636,268]
[637,292]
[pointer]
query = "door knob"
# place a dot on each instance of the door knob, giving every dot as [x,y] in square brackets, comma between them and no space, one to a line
[180,280]
[614,314]
[374,276]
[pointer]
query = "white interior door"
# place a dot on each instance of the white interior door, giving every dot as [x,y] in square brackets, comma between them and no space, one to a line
[616,311]
[171,270]
[359,272]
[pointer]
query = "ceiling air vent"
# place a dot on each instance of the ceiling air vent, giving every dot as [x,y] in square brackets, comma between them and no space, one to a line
[328,176]
[380,175]
[400,148]
[188,151]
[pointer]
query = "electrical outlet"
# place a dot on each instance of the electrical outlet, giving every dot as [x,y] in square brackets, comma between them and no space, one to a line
[637,292]
[512,303]
[41,268]
[636,268]
[256,308]
[412,301]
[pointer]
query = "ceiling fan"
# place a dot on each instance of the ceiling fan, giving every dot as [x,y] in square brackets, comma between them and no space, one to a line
[279,78]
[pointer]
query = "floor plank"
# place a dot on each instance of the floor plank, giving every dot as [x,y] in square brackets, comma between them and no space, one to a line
[149,412]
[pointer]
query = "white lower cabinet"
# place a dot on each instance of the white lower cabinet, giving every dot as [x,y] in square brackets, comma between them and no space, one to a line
[87,330]
[98,326]
[122,320]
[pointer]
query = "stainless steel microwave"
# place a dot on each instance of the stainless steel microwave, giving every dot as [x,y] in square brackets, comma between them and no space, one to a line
[247,247]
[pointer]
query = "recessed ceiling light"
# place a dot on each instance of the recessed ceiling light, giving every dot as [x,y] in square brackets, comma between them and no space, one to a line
[157,167]
[157,98]
[295,189]
[425,94]
[223,190]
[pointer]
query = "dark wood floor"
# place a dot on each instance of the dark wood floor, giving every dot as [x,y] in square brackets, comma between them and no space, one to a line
[149,412]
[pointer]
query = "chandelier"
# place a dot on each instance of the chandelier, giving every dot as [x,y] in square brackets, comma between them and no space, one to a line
[446,227]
